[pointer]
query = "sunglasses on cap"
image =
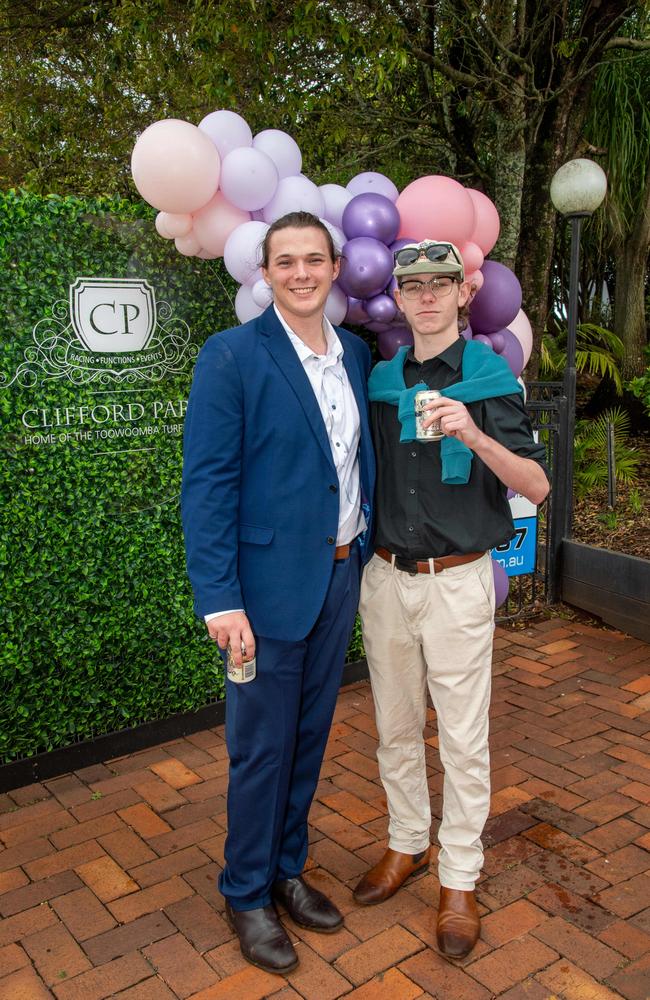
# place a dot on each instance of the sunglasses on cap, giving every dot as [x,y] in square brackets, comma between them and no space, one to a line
[435,252]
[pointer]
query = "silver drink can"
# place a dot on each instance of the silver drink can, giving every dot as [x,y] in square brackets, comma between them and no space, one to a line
[243,674]
[434,432]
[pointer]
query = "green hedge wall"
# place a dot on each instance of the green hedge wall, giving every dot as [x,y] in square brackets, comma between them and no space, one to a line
[98,632]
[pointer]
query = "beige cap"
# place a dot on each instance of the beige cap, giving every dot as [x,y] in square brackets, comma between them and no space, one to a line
[450,263]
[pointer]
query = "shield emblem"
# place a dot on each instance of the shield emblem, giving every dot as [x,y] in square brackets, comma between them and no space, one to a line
[113,315]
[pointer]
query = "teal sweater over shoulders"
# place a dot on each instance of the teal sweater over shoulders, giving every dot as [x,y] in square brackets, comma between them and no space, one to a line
[484,376]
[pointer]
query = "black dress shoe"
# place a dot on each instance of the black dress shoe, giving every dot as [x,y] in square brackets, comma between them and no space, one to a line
[308,907]
[262,938]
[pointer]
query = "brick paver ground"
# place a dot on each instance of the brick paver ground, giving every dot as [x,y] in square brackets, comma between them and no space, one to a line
[108,875]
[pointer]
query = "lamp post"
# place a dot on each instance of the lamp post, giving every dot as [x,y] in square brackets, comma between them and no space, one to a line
[577,189]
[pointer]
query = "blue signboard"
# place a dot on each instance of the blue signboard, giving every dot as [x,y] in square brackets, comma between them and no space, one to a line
[518,555]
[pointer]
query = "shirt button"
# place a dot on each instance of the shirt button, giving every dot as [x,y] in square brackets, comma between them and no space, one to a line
[338,444]
[414,454]
[333,406]
[333,488]
[411,528]
[330,539]
[411,491]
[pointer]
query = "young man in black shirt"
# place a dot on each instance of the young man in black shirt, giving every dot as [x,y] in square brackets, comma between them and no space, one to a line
[427,597]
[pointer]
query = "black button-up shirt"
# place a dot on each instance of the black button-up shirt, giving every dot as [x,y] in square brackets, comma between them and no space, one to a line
[419,516]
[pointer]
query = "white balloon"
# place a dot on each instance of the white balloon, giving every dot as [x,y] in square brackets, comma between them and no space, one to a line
[337,234]
[336,198]
[283,150]
[245,306]
[336,305]
[242,252]
[262,294]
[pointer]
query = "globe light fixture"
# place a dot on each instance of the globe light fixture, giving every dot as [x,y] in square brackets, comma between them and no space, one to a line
[577,190]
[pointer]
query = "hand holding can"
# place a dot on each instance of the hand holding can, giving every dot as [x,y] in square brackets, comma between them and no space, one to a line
[434,431]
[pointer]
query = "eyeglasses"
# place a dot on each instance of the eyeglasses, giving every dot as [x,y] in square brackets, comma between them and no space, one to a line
[440,287]
[431,251]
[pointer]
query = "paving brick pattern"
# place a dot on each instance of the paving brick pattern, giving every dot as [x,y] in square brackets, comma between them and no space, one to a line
[108,876]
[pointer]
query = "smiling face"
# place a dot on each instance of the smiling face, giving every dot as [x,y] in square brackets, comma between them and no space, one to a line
[300,272]
[433,317]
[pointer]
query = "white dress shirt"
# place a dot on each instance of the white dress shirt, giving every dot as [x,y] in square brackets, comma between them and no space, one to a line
[329,381]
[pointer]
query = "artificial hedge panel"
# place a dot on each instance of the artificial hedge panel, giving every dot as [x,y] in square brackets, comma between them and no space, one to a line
[98,628]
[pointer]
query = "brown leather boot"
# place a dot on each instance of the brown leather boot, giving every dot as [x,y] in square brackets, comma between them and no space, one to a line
[382,881]
[458,922]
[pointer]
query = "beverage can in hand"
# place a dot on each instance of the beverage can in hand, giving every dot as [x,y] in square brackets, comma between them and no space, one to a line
[240,675]
[434,432]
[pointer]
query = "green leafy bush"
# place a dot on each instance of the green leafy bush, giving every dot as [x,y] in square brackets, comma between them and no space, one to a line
[98,631]
[590,451]
[640,387]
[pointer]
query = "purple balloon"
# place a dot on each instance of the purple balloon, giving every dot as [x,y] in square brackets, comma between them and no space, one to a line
[356,313]
[391,340]
[366,267]
[371,215]
[483,340]
[404,241]
[513,353]
[496,304]
[377,326]
[467,332]
[510,494]
[497,340]
[381,308]
[501,583]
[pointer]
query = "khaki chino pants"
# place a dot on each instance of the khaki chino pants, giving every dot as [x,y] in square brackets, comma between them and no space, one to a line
[433,630]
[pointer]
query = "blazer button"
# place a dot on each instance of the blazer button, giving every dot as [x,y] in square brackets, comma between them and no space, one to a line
[330,539]
[333,488]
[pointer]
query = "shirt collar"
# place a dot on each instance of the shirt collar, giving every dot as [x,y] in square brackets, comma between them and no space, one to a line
[334,345]
[452,356]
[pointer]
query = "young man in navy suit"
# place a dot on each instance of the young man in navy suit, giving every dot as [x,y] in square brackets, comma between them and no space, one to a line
[277,482]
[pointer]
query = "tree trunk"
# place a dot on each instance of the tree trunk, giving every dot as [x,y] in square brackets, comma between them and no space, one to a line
[629,300]
[509,182]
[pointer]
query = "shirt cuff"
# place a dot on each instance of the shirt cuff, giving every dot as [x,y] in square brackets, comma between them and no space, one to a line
[217,614]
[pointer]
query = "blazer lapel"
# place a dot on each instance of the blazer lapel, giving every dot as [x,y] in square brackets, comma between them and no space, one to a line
[282,351]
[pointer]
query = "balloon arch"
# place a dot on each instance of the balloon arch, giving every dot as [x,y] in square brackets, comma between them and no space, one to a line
[218,188]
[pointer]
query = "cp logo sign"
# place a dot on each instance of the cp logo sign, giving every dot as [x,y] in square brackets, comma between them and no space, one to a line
[113,315]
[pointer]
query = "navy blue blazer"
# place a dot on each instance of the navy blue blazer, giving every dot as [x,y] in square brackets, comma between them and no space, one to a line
[259,499]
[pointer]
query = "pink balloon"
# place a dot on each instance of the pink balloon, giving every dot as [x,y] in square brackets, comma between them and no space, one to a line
[214,223]
[175,167]
[501,583]
[475,279]
[487,226]
[161,228]
[282,149]
[294,194]
[206,255]
[227,130]
[336,198]
[472,257]
[438,208]
[522,330]
[177,225]
[188,245]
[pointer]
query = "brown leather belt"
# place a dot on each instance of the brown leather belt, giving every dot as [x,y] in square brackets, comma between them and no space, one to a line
[342,552]
[414,566]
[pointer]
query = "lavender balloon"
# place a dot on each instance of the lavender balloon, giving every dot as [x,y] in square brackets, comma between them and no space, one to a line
[497,303]
[389,341]
[467,332]
[356,313]
[366,267]
[336,198]
[501,583]
[376,183]
[513,353]
[381,308]
[483,340]
[294,194]
[497,340]
[371,215]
